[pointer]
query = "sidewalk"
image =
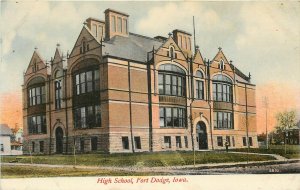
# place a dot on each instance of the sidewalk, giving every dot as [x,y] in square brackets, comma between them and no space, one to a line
[278,157]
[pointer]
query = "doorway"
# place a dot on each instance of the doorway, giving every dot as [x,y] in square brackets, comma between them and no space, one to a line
[59,140]
[202,135]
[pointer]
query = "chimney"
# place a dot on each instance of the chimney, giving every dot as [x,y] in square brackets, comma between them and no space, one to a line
[116,23]
[183,40]
[97,27]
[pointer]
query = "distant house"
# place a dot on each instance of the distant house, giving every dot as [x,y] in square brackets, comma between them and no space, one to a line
[17,142]
[294,135]
[5,138]
[8,146]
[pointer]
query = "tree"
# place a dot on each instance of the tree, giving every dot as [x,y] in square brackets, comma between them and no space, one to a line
[285,121]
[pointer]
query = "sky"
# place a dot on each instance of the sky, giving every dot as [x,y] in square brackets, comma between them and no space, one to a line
[259,37]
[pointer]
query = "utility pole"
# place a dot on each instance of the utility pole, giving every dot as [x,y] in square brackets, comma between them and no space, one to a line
[266,104]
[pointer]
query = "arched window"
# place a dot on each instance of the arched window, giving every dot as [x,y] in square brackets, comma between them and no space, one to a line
[36,96]
[222,65]
[171,52]
[199,74]
[199,85]
[86,83]
[171,80]
[36,91]
[222,88]
[58,89]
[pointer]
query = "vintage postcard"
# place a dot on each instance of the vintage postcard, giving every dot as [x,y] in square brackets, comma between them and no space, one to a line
[150,95]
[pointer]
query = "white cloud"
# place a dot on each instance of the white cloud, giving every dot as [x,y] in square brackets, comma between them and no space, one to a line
[37,24]
[265,24]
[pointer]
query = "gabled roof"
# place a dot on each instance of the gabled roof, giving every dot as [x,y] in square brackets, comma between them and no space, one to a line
[198,56]
[237,71]
[84,31]
[36,55]
[134,47]
[58,52]
[5,130]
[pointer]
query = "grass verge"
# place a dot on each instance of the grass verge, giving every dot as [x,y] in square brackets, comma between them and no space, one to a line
[31,171]
[138,159]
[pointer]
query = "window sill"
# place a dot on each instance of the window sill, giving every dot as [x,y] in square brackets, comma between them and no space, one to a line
[223,128]
[173,128]
[86,128]
[38,134]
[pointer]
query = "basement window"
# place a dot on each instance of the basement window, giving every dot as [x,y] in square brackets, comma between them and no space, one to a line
[125,143]
[137,142]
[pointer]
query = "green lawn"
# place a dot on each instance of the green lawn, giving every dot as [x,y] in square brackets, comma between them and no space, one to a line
[292,151]
[31,171]
[138,159]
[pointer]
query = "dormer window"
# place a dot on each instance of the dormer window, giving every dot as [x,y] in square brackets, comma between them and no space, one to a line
[113,23]
[119,24]
[222,65]
[125,26]
[94,30]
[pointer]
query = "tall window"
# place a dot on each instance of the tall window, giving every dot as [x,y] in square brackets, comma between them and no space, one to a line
[119,24]
[137,142]
[94,30]
[221,65]
[87,81]
[223,120]
[100,31]
[94,143]
[179,40]
[58,94]
[125,143]
[172,117]
[37,124]
[244,141]
[171,80]
[37,95]
[186,141]
[113,23]
[125,26]
[222,88]
[87,117]
[178,142]
[220,140]
[250,141]
[199,85]
[32,146]
[82,144]
[167,141]
[41,146]
[171,52]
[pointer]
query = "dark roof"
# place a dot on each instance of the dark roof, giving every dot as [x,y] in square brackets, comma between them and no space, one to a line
[240,73]
[5,130]
[134,47]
